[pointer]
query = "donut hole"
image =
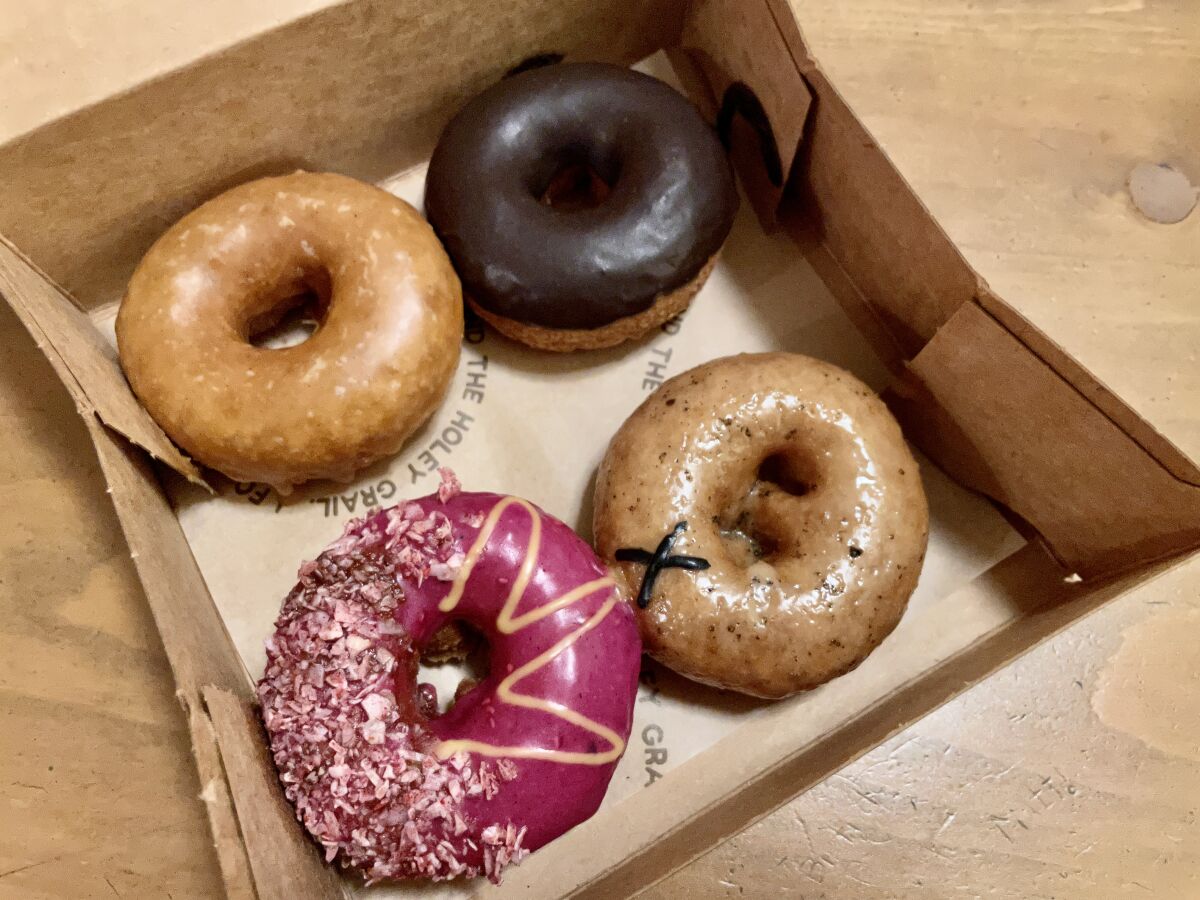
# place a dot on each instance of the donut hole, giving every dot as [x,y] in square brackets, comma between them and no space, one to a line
[746,544]
[455,660]
[756,526]
[575,186]
[295,318]
[787,472]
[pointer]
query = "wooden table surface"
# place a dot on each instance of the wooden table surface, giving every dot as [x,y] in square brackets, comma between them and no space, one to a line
[1074,772]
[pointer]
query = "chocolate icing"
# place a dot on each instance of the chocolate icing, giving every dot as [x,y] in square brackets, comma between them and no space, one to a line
[670,205]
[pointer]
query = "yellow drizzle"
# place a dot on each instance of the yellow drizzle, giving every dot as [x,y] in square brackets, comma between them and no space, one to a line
[507,622]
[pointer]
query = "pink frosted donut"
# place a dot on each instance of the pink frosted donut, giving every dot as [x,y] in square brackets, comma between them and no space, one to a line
[519,759]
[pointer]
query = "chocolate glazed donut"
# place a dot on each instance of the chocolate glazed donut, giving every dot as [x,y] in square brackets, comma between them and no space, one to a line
[659,202]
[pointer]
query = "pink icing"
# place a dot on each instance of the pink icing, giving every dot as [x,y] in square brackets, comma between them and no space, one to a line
[357,757]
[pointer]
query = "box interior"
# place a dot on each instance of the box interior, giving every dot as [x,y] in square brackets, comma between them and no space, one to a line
[363,88]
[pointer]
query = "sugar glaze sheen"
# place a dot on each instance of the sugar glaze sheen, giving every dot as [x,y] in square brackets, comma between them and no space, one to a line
[798,490]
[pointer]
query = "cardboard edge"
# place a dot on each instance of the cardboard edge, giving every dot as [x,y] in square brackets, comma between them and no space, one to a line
[734,808]
[718,792]
[281,856]
[1160,448]
[1159,513]
[26,316]
[217,797]
[852,301]
[110,179]
[56,321]
[741,67]
[136,494]
[1164,452]
[162,74]
[944,282]
[1158,451]
[215,793]
[810,755]
[167,570]
[156,544]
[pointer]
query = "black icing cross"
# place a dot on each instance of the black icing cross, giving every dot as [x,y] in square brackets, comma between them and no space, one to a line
[658,560]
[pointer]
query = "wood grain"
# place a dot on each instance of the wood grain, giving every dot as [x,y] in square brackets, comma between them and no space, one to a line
[1018,123]
[1075,772]
[98,789]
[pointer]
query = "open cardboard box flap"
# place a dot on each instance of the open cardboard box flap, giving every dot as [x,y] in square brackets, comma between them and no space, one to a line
[83,360]
[985,394]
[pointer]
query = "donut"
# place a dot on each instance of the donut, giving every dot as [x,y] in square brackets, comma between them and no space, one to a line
[583,204]
[380,360]
[384,785]
[768,518]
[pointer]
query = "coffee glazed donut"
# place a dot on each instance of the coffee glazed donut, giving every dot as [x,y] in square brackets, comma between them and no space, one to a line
[658,200]
[768,517]
[520,758]
[376,367]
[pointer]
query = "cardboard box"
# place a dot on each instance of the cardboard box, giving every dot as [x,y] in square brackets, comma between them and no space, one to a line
[363,87]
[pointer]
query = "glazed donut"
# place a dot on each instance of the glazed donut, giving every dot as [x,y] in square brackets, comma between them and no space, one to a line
[377,365]
[656,191]
[768,517]
[520,758]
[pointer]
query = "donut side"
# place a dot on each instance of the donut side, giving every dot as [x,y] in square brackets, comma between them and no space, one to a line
[387,784]
[375,368]
[630,328]
[791,480]
[355,762]
[583,204]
